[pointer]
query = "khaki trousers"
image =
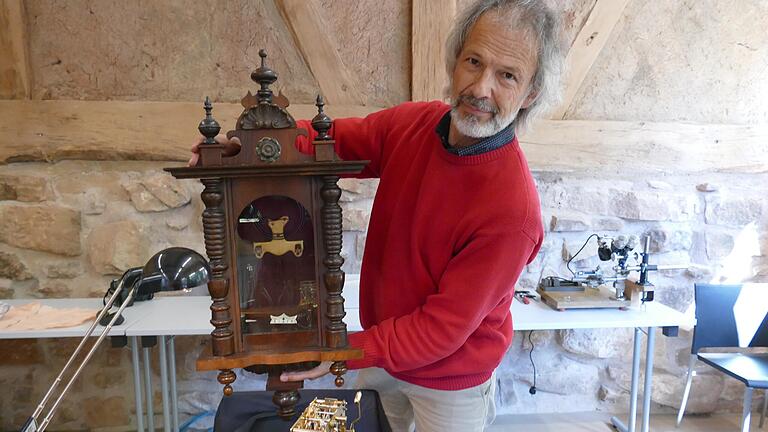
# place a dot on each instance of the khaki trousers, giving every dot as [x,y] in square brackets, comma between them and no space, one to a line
[411,407]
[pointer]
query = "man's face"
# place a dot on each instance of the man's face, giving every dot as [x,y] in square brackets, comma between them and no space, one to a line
[492,78]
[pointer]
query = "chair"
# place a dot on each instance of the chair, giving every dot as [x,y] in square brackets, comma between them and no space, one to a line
[731,316]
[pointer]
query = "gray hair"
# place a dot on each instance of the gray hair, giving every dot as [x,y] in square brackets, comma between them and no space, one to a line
[544,25]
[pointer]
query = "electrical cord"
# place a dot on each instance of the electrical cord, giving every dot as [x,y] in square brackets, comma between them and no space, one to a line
[568,264]
[532,390]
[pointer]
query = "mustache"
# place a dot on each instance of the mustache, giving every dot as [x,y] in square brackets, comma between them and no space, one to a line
[482,104]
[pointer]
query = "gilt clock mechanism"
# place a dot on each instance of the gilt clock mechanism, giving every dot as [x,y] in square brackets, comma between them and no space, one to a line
[273,235]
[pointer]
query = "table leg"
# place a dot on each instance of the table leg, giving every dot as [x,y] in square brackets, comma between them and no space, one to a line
[164,384]
[648,379]
[148,389]
[174,395]
[633,388]
[137,383]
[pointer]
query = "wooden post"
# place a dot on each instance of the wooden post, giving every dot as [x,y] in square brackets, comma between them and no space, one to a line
[15,78]
[430,26]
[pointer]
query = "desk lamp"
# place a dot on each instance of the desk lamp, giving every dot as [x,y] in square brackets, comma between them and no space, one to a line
[171,269]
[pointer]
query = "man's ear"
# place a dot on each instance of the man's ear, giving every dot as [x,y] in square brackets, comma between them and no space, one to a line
[532,95]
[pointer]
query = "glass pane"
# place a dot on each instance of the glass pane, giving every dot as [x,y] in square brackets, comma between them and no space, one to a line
[276,274]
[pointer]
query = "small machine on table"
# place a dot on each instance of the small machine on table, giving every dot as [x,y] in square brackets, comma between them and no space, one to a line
[591,289]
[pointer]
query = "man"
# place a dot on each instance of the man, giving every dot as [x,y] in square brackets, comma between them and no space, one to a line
[455,220]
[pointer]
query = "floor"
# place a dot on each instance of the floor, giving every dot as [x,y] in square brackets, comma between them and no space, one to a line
[600,422]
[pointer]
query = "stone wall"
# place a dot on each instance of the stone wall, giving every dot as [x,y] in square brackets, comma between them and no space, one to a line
[68,228]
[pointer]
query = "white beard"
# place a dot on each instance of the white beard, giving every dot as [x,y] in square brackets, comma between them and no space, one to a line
[471,126]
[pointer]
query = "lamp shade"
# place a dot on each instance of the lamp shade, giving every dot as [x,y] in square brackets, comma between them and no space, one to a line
[173,269]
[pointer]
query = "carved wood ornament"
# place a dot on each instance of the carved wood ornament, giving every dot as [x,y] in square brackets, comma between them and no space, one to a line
[273,235]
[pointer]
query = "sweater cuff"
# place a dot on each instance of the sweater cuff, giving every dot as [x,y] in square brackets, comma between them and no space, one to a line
[371,356]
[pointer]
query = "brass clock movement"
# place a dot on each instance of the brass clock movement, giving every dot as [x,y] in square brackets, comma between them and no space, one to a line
[272,228]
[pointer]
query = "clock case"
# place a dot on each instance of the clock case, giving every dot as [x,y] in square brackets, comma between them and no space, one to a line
[270,172]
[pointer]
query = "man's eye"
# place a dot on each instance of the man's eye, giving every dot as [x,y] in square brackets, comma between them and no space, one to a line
[473,61]
[508,76]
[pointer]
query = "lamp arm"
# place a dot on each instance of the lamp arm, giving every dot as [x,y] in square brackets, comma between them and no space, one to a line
[88,333]
[30,425]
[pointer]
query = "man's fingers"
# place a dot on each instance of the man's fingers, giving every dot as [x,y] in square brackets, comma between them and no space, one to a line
[232,147]
[317,372]
[193,160]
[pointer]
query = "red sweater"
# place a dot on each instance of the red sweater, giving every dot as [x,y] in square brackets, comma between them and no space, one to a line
[448,238]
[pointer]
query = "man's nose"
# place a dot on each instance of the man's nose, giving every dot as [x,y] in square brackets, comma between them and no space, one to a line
[482,87]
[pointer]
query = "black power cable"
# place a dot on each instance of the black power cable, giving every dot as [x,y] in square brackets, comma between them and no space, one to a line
[532,390]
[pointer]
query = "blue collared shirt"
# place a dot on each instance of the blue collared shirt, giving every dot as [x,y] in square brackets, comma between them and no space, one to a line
[502,138]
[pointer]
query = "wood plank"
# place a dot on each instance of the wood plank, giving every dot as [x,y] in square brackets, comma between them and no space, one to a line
[337,83]
[15,78]
[431,23]
[56,130]
[615,146]
[91,130]
[586,47]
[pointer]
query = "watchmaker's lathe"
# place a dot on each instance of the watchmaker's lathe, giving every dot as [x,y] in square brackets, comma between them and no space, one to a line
[272,227]
[596,289]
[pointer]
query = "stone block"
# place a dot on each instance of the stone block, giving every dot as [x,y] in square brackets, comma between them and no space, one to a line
[356,219]
[23,188]
[54,289]
[600,343]
[705,391]
[47,228]
[177,222]
[11,267]
[358,189]
[569,222]
[157,192]
[564,376]
[667,240]
[719,244]
[707,187]
[660,185]
[106,412]
[607,224]
[651,206]
[21,352]
[731,211]
[360,244]
[114,248]
[94,203]
[64,270]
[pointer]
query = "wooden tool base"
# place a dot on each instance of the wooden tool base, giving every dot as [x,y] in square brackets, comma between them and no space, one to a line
[590,298]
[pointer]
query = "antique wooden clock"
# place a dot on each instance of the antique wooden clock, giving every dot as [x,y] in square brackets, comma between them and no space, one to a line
[272,228]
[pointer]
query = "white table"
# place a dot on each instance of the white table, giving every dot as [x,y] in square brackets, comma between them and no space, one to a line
[166,317]
[538,316]
[130,315]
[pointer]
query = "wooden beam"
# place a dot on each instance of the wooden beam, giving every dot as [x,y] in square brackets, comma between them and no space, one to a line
[56,130]
[431,23]
[93,130]
[635,147]
[336,82]
[586,47]
[15,79]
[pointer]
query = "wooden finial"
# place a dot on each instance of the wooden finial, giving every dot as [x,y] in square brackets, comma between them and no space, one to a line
[265,77]
[321,123]
[209,127]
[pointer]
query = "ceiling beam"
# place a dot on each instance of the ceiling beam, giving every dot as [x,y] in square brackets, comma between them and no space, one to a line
[115,130]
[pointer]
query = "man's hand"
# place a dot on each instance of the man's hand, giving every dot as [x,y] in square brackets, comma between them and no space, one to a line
[231,147]
[323,369]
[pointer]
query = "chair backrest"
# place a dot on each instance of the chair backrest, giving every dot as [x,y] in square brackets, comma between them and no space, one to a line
[730,316]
